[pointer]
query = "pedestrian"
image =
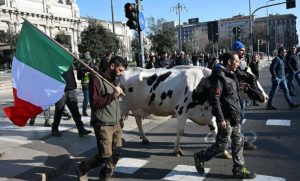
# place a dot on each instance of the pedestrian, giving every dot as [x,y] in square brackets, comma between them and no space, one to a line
[293,64]
[83,74]
[227,110]
[105,120]
[254,66]
[47,122]
[151,63]
[182,59]
[239,47]
[278,79]
[70,99]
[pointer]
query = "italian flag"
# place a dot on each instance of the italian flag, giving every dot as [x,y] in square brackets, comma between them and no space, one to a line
[37,70]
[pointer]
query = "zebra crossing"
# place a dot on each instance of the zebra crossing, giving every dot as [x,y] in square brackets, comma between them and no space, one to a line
[180,172]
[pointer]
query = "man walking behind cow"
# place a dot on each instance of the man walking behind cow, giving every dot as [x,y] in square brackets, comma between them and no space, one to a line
[278,79]
[227,110]
[105,117]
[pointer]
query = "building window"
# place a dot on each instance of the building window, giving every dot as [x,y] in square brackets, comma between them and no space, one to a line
[60,1]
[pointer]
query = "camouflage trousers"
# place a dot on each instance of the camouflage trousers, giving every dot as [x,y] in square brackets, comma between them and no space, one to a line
[222,139]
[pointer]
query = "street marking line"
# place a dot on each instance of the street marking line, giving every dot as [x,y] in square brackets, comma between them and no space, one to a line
[186,173]
[278,122]
[31,128]
[130,165]
[244,120]
[267,178]
[18,141]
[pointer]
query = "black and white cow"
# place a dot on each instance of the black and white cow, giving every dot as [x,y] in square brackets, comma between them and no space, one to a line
[165,92]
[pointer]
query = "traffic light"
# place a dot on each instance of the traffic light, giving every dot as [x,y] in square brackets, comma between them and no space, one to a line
[290,4]
[212,28]
[131,14]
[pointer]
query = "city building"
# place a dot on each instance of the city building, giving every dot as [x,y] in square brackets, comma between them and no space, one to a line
[50,16]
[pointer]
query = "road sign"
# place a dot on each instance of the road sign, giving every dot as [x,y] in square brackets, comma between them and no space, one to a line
[141,21]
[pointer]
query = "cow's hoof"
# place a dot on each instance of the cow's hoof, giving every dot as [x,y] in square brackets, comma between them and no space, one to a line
[145,142]
[225,155]
[179,153]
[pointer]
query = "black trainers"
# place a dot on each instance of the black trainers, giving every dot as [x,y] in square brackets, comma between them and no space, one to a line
[81,173]
[199,164]
[271,107]
[243,173]
[84,132]
[249,146]
[55,133]
[66,115]
[294,105]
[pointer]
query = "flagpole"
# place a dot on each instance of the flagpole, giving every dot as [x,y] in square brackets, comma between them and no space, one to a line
[75,57]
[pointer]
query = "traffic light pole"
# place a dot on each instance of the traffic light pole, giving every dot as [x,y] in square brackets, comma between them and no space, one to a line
[251,21]
[141,37]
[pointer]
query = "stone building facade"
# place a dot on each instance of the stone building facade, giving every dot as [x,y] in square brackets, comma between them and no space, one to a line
[50,16]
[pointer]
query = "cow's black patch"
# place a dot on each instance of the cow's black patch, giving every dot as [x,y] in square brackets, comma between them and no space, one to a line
[180,110]
[130,89]
[160,103]
[176,107]
[152,98]
[202,115]
[151,90]
[161,78]
[191,105]
[185,99]
[163,96]
[170,92]
[152,79]
[185,91]
[206,108]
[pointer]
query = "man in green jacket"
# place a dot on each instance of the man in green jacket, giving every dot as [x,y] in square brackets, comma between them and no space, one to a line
[105,117]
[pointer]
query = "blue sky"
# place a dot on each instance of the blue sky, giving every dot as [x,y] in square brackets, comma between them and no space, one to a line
[205,10]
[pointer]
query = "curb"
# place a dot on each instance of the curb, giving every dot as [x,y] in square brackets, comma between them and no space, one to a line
[57,162]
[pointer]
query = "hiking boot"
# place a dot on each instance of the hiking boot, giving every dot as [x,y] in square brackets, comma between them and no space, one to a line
[270,107]
[32,121]
[84,132]
[47,123]
[293,105]
[199,164]
[81,172]
[55,132]
[243,173]
[249,146]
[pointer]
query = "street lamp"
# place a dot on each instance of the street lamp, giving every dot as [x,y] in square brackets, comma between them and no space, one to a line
[178,8]
[112,16]
[268,31]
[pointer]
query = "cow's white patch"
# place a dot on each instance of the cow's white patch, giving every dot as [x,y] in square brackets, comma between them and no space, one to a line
[278,122]
[130,165]
[268,178]
[185,173]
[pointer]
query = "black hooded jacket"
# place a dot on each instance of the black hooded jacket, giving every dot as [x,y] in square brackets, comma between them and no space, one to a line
[224,95]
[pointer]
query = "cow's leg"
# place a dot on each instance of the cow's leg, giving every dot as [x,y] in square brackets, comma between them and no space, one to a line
[180,130]
[139,124]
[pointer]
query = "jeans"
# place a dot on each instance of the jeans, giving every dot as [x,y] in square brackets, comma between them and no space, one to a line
[282,83]
[85,100]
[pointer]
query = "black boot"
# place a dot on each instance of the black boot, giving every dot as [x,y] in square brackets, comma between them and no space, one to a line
[82,132]
[249,146]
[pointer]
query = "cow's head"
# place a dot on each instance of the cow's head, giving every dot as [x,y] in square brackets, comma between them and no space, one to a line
[255,91]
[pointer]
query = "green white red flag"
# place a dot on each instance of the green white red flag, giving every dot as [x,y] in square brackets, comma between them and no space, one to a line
[37,70]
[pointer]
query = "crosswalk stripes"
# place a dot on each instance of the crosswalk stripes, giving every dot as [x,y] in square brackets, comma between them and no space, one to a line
[178,173]
[278,122]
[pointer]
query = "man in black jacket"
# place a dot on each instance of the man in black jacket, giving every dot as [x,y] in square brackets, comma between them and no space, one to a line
[293,64]
[69,98]
[227,110]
